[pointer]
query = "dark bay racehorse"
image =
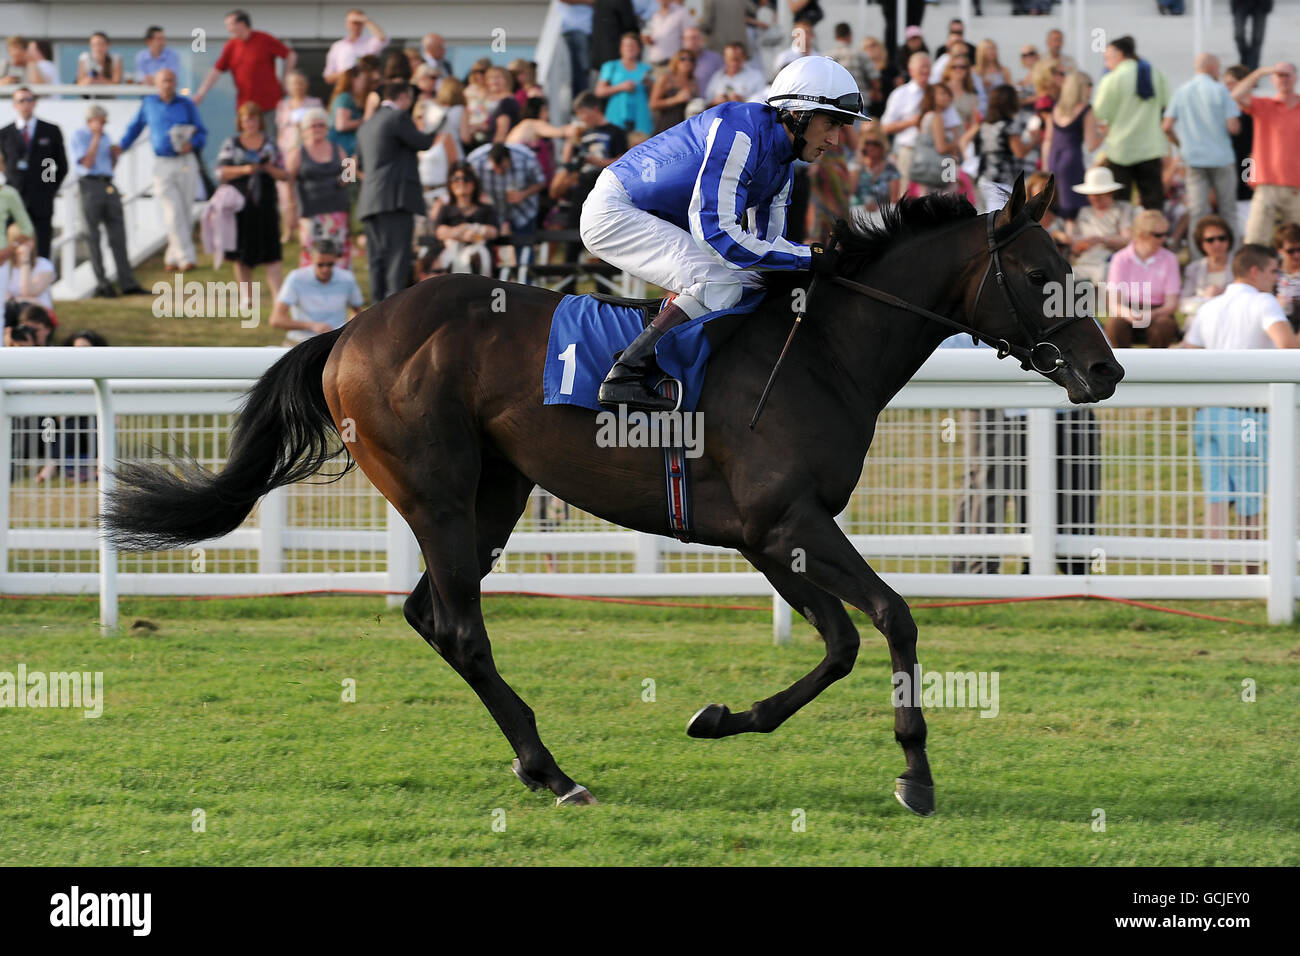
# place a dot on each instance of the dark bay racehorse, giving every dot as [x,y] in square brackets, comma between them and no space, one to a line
[437,393]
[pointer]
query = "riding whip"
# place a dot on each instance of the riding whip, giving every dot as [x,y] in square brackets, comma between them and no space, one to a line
[762,400]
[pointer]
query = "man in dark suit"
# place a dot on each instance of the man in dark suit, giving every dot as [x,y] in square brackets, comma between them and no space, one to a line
[610,19]
[893,35]
[35,164]
[391,196]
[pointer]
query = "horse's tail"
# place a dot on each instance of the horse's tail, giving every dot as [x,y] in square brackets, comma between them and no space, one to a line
[284,433]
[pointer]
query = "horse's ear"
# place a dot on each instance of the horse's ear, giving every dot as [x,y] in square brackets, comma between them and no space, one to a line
[1038,205]
[1015,202]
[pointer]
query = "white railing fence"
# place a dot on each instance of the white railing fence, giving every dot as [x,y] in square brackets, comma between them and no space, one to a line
[981,482]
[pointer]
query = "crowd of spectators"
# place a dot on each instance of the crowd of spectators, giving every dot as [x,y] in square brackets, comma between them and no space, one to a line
[418,170]
[1144,173]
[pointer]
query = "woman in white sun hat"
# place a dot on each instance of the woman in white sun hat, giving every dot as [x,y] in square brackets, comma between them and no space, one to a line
[1103,227]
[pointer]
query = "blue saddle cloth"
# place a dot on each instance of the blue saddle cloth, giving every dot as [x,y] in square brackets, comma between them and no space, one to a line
[585,334]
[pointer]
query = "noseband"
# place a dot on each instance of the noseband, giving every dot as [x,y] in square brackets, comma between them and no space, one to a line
[1038,357]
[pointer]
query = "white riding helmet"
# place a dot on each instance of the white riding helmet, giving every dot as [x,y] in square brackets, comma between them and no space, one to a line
[817,83]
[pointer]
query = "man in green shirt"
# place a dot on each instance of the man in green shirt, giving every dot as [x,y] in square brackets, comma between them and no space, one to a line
[1130,101]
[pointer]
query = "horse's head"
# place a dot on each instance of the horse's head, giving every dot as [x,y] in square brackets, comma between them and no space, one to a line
[1027,297]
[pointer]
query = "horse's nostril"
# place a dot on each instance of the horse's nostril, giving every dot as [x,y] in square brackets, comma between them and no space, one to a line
[1109,371]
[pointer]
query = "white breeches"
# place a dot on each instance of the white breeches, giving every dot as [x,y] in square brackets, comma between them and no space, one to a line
[650,248]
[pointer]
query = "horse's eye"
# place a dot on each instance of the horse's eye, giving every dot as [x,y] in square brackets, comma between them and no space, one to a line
[1038,277]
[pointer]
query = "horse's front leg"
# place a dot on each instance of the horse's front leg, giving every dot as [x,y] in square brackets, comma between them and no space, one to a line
[825,612]
[832,564]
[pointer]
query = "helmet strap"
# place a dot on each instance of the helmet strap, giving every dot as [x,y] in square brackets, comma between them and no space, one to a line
[797,124]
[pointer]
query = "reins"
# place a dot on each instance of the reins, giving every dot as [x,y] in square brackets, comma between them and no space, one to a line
[1028,357]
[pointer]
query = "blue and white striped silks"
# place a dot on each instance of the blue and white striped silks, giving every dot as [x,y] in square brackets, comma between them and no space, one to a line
[703,174]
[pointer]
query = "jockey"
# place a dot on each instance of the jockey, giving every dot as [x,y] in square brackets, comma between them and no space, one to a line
[699,209]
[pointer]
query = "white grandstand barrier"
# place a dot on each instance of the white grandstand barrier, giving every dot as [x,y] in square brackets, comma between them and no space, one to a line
[553,67]
[64,105]
[951,457]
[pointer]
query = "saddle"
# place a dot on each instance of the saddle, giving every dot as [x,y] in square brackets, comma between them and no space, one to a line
[717,330]
[649,307]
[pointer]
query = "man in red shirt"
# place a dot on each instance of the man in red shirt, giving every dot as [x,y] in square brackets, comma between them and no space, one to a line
[1277,161]
[250,57]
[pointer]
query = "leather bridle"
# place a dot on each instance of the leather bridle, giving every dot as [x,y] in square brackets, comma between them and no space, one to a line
[1037,357]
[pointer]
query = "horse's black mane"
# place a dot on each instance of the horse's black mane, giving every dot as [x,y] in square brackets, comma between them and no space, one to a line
[862,243]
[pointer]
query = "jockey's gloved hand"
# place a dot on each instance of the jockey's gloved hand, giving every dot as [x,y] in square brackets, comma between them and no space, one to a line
[824,260]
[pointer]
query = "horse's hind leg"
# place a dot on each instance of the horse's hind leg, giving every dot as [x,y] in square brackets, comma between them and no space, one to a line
[445,608]
[824,612]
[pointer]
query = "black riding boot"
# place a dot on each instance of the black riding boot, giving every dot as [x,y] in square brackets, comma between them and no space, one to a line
[629,381]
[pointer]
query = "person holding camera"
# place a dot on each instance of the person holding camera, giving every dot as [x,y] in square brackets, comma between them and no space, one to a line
[593,144]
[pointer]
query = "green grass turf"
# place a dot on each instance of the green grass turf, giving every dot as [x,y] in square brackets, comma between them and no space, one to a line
[233,707]
[129,320]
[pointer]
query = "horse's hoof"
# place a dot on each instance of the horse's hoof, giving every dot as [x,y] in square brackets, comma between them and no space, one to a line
[526,780]
[579,796]
[917,797]
[707,720]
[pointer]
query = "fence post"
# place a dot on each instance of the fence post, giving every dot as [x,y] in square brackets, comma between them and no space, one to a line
[403,556]
[781,617]
[1283,489]
[1041,478]
[647,553]
[107,427]
[271,515]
